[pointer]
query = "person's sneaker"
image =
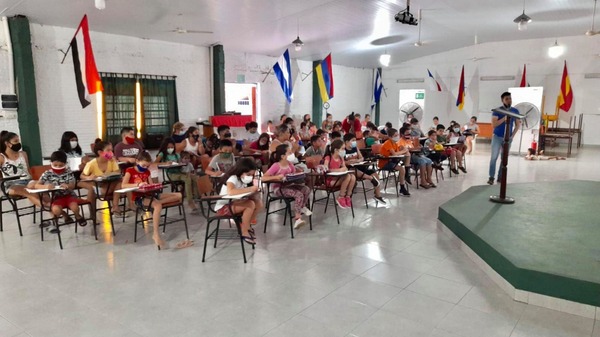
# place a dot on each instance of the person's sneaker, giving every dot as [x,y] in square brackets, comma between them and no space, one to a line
[341,201]
[299,223]
[380,200]
[375,182]
[491,181]
[455,171]
[306,211]
[404,192]
[53,229]
[462,169]
[349,202]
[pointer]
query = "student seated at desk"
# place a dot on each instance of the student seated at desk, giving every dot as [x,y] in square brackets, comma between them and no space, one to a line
[334,161]
[471,131]
[14,162]
[237,181]
[316,147]
[191,144]
[369,138]
[60,175]
[391,148]
[417,158]
[138,176]
[282,159]
[223,161]
[129,147]
[69,144]
[304,133]
[104,164]
[434,150]
[167,155]
[452,153]
[261,145]
[363,172]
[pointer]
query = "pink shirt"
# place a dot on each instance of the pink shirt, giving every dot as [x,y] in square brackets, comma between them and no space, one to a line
[276,170]
[335,163]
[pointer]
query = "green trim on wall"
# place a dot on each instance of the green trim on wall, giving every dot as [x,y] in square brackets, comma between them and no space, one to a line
[218,79]
[26,90]
[378,105]
[317,102]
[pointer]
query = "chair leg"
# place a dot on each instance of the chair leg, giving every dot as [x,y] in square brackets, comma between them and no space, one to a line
[110,217]
[136,222]
[239,228]
[206,240]
[165,219]
[268,202]
[41,226]
[365,193]
[334,206]
[288,208]
[58,233]
[182,211]
[217,232]
[1,216]
[93,216]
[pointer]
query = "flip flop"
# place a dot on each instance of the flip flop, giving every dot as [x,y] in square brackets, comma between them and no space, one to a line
[184,244]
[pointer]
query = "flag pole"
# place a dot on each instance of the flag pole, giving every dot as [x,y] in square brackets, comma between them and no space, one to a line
[264,79]
[66,53]
[305,77]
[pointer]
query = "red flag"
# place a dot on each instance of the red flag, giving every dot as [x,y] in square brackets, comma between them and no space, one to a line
[524,77]
[565,97]
[460,100]
[86,74]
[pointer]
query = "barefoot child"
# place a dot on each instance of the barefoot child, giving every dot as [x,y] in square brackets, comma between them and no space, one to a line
[236,181]
[532,155]
[138,176]
[60,175]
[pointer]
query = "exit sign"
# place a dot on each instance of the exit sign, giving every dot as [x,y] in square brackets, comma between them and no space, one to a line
[420,95]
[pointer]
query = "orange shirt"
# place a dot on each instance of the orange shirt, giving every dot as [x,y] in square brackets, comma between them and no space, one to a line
[386,151]
[406,143]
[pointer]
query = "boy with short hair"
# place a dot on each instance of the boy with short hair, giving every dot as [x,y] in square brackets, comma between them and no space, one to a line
[223,161]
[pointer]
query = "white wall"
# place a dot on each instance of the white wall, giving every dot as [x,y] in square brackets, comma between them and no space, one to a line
[506,58]
[58,104]
[352,87]
[8,121]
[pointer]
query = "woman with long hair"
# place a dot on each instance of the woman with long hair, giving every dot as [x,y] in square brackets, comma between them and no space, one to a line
[14,162]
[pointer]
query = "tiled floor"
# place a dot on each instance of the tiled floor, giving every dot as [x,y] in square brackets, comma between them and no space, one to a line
[387,272]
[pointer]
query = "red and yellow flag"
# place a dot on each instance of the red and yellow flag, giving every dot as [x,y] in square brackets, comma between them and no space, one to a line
[565,97]
[460,100]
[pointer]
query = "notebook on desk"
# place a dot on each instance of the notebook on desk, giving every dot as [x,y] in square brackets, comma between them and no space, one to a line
[74,163]
[453,140]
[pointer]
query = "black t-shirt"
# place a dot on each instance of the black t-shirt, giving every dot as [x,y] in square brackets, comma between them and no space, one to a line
[351,154]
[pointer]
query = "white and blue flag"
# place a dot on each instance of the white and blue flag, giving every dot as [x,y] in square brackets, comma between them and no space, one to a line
[377,89]
[283,71]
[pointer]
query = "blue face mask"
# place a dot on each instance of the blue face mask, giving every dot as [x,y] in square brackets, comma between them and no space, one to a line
[353,144]
[141,168]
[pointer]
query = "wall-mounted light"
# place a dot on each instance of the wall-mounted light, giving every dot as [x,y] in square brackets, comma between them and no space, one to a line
[138,109]
[99,113]
[556,50]
[384,59]
[100,4]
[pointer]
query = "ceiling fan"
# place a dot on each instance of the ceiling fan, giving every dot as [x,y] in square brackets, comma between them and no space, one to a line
[593,32]
[179,30]
[476,58]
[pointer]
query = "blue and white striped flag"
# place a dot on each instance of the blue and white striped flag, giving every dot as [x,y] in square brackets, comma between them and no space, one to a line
[283,71]
[377,89]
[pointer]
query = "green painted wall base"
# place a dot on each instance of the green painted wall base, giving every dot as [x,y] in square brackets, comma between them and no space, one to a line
[548,242]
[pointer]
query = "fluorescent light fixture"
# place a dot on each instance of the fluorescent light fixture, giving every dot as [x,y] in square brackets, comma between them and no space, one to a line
[497,78]
[410,80]
[556,51]
[100,4]
[384,59]
[592,75]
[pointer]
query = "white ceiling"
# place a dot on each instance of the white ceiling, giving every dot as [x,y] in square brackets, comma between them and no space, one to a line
[344,27]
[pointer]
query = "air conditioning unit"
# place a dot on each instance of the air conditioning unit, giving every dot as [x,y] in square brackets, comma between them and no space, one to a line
[9,102]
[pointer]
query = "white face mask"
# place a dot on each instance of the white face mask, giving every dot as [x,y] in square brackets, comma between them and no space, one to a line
[396,139]
[342,153]
[291,157]
[182,132]
[170,150]
[247,179]
[74,144]
[457,130]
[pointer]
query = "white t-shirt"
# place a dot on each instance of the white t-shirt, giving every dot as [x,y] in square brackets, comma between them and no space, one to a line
[237,183]
[252,136]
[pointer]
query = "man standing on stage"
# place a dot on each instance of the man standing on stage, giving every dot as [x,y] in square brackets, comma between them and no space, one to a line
[499,123]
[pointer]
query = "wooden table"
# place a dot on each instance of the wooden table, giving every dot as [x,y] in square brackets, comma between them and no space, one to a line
[555,136]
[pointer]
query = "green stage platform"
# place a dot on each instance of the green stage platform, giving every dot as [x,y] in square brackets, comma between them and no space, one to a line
[548,242]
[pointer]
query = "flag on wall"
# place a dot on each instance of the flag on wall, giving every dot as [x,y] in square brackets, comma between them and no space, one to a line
[325,78]
[460,100]
[524,78]
[377,89]
[434,83]
[87,78]
[283,72]
[565,97]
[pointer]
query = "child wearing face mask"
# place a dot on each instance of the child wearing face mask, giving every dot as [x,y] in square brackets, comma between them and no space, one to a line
[138,176]
[238,180]
[192,144]
[391,148]
[103,165]
[60,175]
[282,159]
[223,161]
[334,161]
[454,131]
[353,155]
[167,155]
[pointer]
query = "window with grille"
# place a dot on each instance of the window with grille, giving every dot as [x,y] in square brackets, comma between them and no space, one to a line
[158,106]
